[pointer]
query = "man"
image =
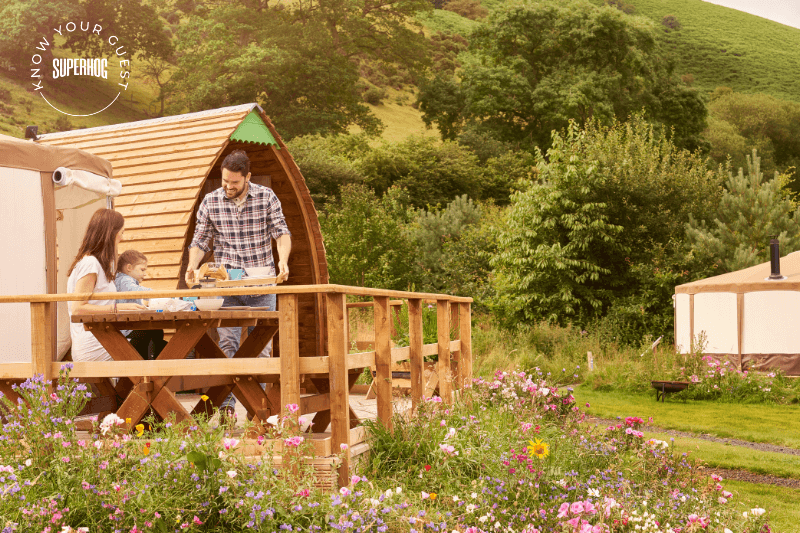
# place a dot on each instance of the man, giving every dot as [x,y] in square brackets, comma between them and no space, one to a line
[242,218]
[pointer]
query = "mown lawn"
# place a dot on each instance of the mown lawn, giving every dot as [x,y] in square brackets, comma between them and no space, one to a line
[780,502]
[775,424]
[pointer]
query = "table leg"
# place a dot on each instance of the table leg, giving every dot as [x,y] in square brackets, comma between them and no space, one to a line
[143,397]
[323,418]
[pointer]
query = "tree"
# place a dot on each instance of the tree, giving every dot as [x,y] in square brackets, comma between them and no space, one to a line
[298,60]
[743,122]
[23,24]
[534,67]
[604,220]
[365,241]
[751,210]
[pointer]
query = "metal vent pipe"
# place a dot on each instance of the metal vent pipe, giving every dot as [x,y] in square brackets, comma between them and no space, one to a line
[775,259]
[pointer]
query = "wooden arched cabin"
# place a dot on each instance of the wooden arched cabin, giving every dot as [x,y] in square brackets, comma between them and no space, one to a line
[167,165]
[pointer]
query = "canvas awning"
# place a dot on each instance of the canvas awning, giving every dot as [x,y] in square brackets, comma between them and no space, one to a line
[28,155]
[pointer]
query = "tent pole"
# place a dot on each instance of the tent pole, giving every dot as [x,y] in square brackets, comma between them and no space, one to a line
[740,325]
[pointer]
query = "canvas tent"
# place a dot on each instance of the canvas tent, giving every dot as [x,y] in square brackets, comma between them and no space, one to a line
[744,317]
[167,165]
[49,195]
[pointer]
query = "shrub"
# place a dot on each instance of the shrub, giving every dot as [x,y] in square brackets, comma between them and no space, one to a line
[365,239]
[432,172]
[471,9]
[63,123]
[622,6]
[374,96]
[5,95]
[607,199]
[670,22]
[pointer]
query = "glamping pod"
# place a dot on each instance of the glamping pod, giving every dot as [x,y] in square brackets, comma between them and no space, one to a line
[750,317]
[166,167]
[49,195]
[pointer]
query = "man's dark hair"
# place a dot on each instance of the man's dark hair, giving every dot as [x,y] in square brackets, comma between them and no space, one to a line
[237,161]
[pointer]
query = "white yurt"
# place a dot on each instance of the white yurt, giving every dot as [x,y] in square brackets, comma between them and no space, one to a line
[49,195]
[750,317]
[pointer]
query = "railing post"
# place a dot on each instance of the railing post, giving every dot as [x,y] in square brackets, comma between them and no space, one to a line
[465,333]
[443,338]
[456,355]
[383,360]
[288,329]
[42,340]
[415,351]
[337,374]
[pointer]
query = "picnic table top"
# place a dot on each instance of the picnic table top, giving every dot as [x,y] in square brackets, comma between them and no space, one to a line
[150,315]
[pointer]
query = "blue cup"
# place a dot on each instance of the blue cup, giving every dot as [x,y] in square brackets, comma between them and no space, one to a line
[235,273]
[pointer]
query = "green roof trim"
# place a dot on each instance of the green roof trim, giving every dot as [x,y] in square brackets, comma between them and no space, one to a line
[253,130]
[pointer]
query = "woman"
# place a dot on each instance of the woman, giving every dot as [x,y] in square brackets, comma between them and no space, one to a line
[93,272]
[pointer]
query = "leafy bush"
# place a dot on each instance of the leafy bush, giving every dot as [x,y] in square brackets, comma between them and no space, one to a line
[327,163]
[471,9]
[608,199]
[432,172]
[670,22]
[374,96]
[366,244]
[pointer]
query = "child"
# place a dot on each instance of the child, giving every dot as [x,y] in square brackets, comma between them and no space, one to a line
[131,270]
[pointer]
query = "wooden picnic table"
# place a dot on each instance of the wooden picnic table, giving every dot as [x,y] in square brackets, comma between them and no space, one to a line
[191,332]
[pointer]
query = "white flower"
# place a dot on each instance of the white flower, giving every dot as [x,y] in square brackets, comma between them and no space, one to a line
[374,502]
[398,490]
[544,391]
[109,421]
[231,473]
[473,495]
[471,507]
[455,499]
[389,493]
[726,530]
[594,493]
[483,519]
[450,433]
[758,511]
[28,462]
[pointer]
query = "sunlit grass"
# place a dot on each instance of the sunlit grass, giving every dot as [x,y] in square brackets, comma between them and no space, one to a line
[780,502]
[775,424]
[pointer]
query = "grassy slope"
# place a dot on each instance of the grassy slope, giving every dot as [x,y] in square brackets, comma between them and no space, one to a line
[780,502]
[75,95]
[724,47]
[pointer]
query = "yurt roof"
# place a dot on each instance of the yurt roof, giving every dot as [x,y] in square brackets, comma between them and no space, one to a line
[163,164]
[28,155]
[753,279]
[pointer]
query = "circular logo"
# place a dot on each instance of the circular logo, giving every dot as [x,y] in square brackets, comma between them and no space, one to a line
[55,70]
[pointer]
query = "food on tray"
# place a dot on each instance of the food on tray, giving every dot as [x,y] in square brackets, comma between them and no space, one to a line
[213,270]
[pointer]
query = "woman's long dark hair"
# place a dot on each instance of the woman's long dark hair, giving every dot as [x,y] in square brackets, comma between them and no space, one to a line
[100,240]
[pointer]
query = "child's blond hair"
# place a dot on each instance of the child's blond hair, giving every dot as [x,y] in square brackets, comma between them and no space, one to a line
[130,257]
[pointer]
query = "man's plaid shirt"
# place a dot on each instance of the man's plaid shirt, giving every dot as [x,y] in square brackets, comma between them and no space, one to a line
[242,239]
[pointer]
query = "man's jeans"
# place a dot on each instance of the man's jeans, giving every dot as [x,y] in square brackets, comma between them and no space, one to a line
[229,338]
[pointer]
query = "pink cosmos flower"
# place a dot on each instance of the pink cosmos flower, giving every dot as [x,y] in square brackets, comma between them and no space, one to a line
[197,521]
[230,443]
[563,511]
[576,508]
[292,407]
[293,441]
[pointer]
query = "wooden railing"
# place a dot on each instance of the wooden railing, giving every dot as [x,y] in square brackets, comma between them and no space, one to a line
[288,368]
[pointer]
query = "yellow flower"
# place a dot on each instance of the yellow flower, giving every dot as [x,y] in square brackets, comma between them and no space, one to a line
[204,398]
[539,449]
[432,496]
[146,450]
[139,430]
[128,421]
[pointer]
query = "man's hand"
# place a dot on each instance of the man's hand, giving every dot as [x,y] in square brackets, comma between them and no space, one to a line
[283,271]
[195,256]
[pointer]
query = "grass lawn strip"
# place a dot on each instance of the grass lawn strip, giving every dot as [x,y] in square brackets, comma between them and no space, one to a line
[780,503]
[778,425]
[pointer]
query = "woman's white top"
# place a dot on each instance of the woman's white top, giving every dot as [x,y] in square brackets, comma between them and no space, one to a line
[85,346]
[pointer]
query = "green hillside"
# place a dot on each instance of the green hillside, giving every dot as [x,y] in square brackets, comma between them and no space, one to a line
[719,46]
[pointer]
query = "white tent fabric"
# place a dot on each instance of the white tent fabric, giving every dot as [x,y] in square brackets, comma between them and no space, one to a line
[744,317]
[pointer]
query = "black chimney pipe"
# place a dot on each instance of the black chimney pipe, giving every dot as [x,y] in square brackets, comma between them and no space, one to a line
[775,259]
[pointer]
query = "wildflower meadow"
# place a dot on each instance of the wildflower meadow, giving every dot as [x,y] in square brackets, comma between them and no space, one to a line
[513,454]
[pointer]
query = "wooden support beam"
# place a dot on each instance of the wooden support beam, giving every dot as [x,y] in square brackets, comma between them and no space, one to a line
[339,392]
[383,360]
[443,338]
[290,350]
[42,340]
[415,349]
[465,335]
